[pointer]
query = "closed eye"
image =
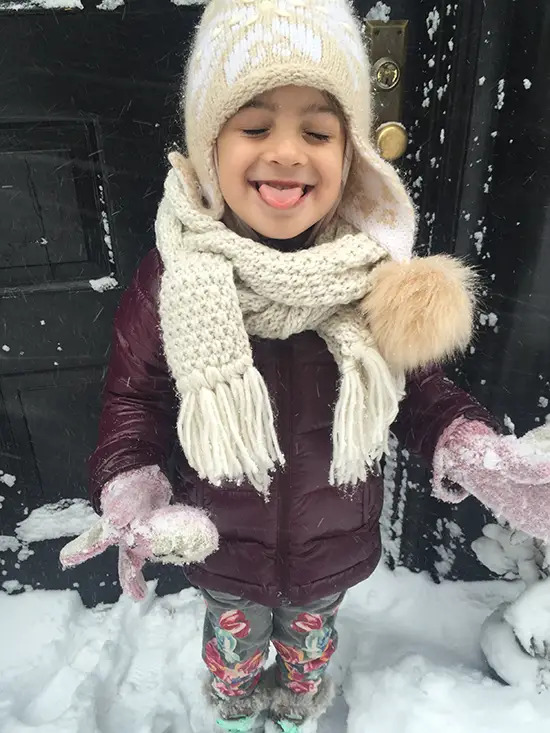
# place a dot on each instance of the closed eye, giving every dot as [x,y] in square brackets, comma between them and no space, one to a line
[256,132]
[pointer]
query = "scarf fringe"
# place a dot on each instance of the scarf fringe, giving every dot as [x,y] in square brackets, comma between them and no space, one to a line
[227,432]
[367,405]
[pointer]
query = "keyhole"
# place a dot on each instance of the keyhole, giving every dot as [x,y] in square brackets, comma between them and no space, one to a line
[386,74]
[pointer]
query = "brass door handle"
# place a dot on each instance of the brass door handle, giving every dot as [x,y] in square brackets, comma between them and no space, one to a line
[391,140]
[387,42]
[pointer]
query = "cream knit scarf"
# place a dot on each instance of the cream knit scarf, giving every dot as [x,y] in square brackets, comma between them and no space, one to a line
[218,289]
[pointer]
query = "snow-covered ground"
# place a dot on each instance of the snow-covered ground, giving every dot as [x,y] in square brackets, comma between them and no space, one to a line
[408,662]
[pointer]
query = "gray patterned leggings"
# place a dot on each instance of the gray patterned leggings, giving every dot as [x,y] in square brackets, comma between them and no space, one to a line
[236,640]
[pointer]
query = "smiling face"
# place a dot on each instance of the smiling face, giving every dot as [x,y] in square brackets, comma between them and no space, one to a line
[280,161]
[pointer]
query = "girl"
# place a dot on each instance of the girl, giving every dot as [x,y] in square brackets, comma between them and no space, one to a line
[268,340]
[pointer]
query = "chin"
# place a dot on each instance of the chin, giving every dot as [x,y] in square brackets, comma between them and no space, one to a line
[278,232]
[280,229]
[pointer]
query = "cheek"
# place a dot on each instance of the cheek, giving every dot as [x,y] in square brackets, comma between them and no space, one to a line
[233,163]
[333,171]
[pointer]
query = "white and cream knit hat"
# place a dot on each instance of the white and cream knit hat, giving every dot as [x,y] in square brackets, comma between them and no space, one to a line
[243,48]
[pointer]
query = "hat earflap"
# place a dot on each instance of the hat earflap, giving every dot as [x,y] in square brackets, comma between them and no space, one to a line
[420,312]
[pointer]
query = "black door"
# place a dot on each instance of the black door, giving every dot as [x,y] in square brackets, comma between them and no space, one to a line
[89,105]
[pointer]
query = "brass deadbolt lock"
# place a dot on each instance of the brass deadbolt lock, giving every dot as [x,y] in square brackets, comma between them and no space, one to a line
[391,139]
[386,74]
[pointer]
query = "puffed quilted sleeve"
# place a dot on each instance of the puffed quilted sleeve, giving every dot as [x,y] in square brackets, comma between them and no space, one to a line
[431,404]
[138,418]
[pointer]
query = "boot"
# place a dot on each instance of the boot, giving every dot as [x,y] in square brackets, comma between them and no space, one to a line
[291,712]
[243,724]
[242,714]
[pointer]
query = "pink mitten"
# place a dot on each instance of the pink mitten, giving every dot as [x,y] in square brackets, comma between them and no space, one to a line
[131,496]
[134,495]
[177,534]
[137,517]
[510,476]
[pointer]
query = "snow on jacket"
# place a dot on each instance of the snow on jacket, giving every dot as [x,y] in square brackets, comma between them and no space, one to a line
[310,540]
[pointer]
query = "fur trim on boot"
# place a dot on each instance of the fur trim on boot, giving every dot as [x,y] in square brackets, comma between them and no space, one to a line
[420,312]
[298,713]
[254,706]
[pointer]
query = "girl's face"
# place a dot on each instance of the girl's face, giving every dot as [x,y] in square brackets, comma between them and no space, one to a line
[280,161]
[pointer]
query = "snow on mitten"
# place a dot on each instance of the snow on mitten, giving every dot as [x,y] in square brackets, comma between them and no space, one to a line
[538,439]
[509,476]
[130,496]
[175,534]
[134,495]
[179,535]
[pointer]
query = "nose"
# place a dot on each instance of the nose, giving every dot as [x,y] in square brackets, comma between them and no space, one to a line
[284,150]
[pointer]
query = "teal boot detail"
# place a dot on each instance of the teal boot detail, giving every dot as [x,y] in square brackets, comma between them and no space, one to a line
[288,726]
[243,724]
[291,725]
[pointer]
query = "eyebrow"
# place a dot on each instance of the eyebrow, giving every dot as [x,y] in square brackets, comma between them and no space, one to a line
[310,109]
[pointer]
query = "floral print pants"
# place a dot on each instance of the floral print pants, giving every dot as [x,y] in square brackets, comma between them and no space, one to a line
[237,633]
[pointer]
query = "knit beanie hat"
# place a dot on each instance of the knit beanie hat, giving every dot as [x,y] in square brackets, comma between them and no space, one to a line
[243,48]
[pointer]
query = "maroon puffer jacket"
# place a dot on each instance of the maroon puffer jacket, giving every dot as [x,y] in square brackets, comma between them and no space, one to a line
[310,540]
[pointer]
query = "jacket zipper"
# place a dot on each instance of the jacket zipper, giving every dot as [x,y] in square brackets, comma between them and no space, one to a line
[286,475]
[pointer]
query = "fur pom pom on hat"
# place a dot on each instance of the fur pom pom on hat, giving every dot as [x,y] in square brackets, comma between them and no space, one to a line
[243,48]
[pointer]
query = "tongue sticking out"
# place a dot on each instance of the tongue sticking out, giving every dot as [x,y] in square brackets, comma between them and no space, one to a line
[280,198]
